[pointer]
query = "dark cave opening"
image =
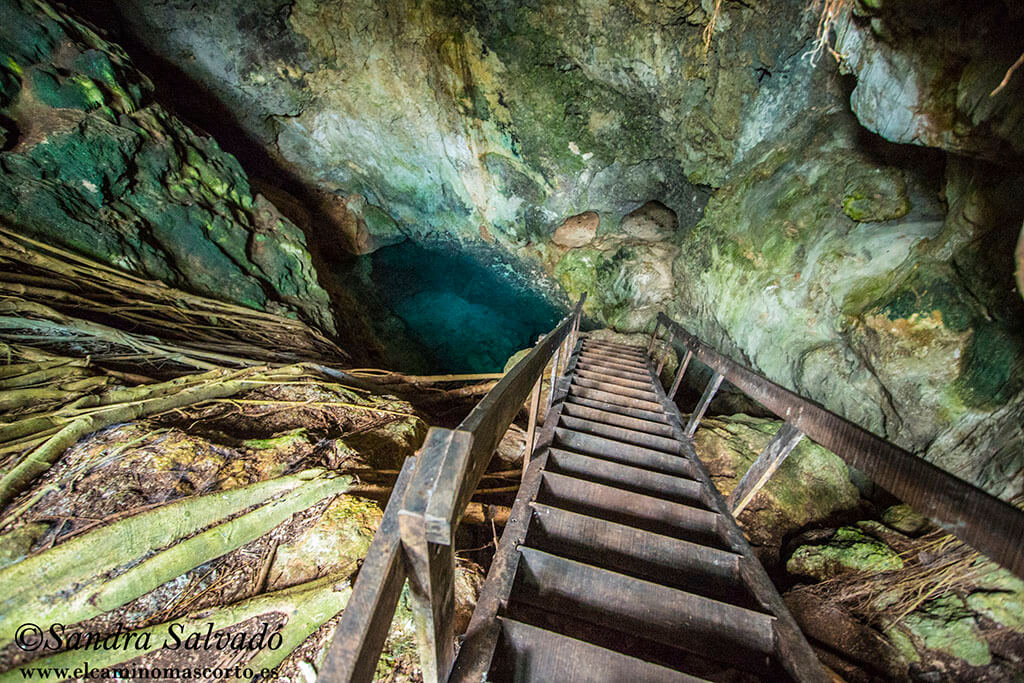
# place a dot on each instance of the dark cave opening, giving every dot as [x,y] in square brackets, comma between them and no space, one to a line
[446,310]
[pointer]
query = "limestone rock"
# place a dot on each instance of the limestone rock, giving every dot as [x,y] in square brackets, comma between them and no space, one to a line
[904,519]
[927,80]
[92,163]
[577,231]
[652,222]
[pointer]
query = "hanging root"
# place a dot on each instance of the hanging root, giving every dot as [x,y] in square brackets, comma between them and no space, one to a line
[934,565]
[1009,74]
[828,12]
[709,30]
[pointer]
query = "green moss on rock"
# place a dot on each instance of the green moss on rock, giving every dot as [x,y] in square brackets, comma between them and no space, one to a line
[946,625]
[849,550]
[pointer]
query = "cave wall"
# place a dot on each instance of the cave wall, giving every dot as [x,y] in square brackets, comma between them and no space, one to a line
[845,229]
[90,161]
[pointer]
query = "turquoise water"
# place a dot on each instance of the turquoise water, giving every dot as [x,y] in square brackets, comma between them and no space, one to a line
[441,310]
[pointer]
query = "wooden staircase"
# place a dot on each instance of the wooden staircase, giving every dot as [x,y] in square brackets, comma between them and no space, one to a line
[620,560]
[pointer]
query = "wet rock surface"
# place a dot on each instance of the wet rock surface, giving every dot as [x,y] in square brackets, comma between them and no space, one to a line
[92,163]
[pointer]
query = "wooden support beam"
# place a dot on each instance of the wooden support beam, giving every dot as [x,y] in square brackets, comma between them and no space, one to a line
[679,375]
[702,406]
[531,425]
[359,638]
[654,337]
[781,445]
[430,566]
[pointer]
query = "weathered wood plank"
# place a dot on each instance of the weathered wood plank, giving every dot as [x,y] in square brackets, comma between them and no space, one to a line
[780,446]
[702,405]
[613,379]
[624,603]
[624,434]
[673,562]
[626,477]
[614,371]
[594,414]
[657,515]
[359,638]
[634,456]
[646,415]
[545,656]
[611,397]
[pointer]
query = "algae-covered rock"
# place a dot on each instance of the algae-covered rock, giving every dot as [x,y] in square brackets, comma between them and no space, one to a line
[849,550]
[389,444]
[904,519]
[878,195]
[810,486]
[94,164]
[336,541]
[946,625]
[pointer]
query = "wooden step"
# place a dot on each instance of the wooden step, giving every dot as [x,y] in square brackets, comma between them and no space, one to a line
[613,371]
[609,359]
[619,353]
[636,456]
[632,509]
[662,614]
[630,436]
[619,348]
[613,418]
[672,562]
[626,477]
[646,415]
[613,379]
[528,653]
[609,397]
[642,394]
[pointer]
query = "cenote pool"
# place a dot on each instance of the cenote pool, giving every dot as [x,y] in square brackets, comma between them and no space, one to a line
[441,310]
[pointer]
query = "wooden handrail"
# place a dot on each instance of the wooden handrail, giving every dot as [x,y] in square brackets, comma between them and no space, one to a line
[989,525]
[415,537]
[451,464]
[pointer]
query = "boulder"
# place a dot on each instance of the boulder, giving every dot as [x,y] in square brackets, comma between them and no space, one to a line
[577,231]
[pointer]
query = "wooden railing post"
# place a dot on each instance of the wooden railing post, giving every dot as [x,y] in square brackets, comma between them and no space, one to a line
[702,406]
[780,446]
[355,649]
[679,375]
[531,425]
[551,383]
[431,566]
